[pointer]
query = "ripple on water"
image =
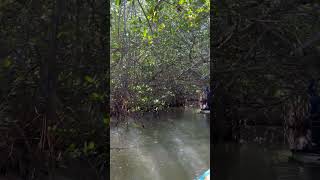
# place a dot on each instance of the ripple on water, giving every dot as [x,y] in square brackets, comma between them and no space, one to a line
[176,150]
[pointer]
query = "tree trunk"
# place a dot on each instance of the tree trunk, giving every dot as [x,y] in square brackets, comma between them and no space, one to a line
[49,82]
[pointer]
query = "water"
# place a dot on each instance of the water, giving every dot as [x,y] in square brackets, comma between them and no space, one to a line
[174,145]
[253,161]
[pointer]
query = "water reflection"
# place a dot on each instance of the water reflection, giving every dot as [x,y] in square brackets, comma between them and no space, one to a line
[175,145]
[263,162]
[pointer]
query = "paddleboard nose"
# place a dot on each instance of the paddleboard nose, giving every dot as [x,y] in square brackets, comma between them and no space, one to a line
[205,175]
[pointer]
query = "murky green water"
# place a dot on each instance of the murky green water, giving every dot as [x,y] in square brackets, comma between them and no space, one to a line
[264,162]
[174,145]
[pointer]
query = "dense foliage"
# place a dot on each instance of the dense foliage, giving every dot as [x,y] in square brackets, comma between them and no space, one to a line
[53,83]
[160,53]
[264,55]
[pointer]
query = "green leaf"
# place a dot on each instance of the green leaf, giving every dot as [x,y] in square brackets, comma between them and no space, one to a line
[60,34]
[182,2]
[72,147]
[118,2]
[106,121]
[207,2]
[145,33]
[161,26]
[89,79]
[85,147]
[91,145]
[7,62]
[96,97]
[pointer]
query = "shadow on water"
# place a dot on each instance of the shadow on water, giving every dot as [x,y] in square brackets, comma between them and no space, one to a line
[175,145]
[264,162]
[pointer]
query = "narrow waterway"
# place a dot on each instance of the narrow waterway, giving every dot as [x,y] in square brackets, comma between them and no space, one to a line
[175,145]
[172,145]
